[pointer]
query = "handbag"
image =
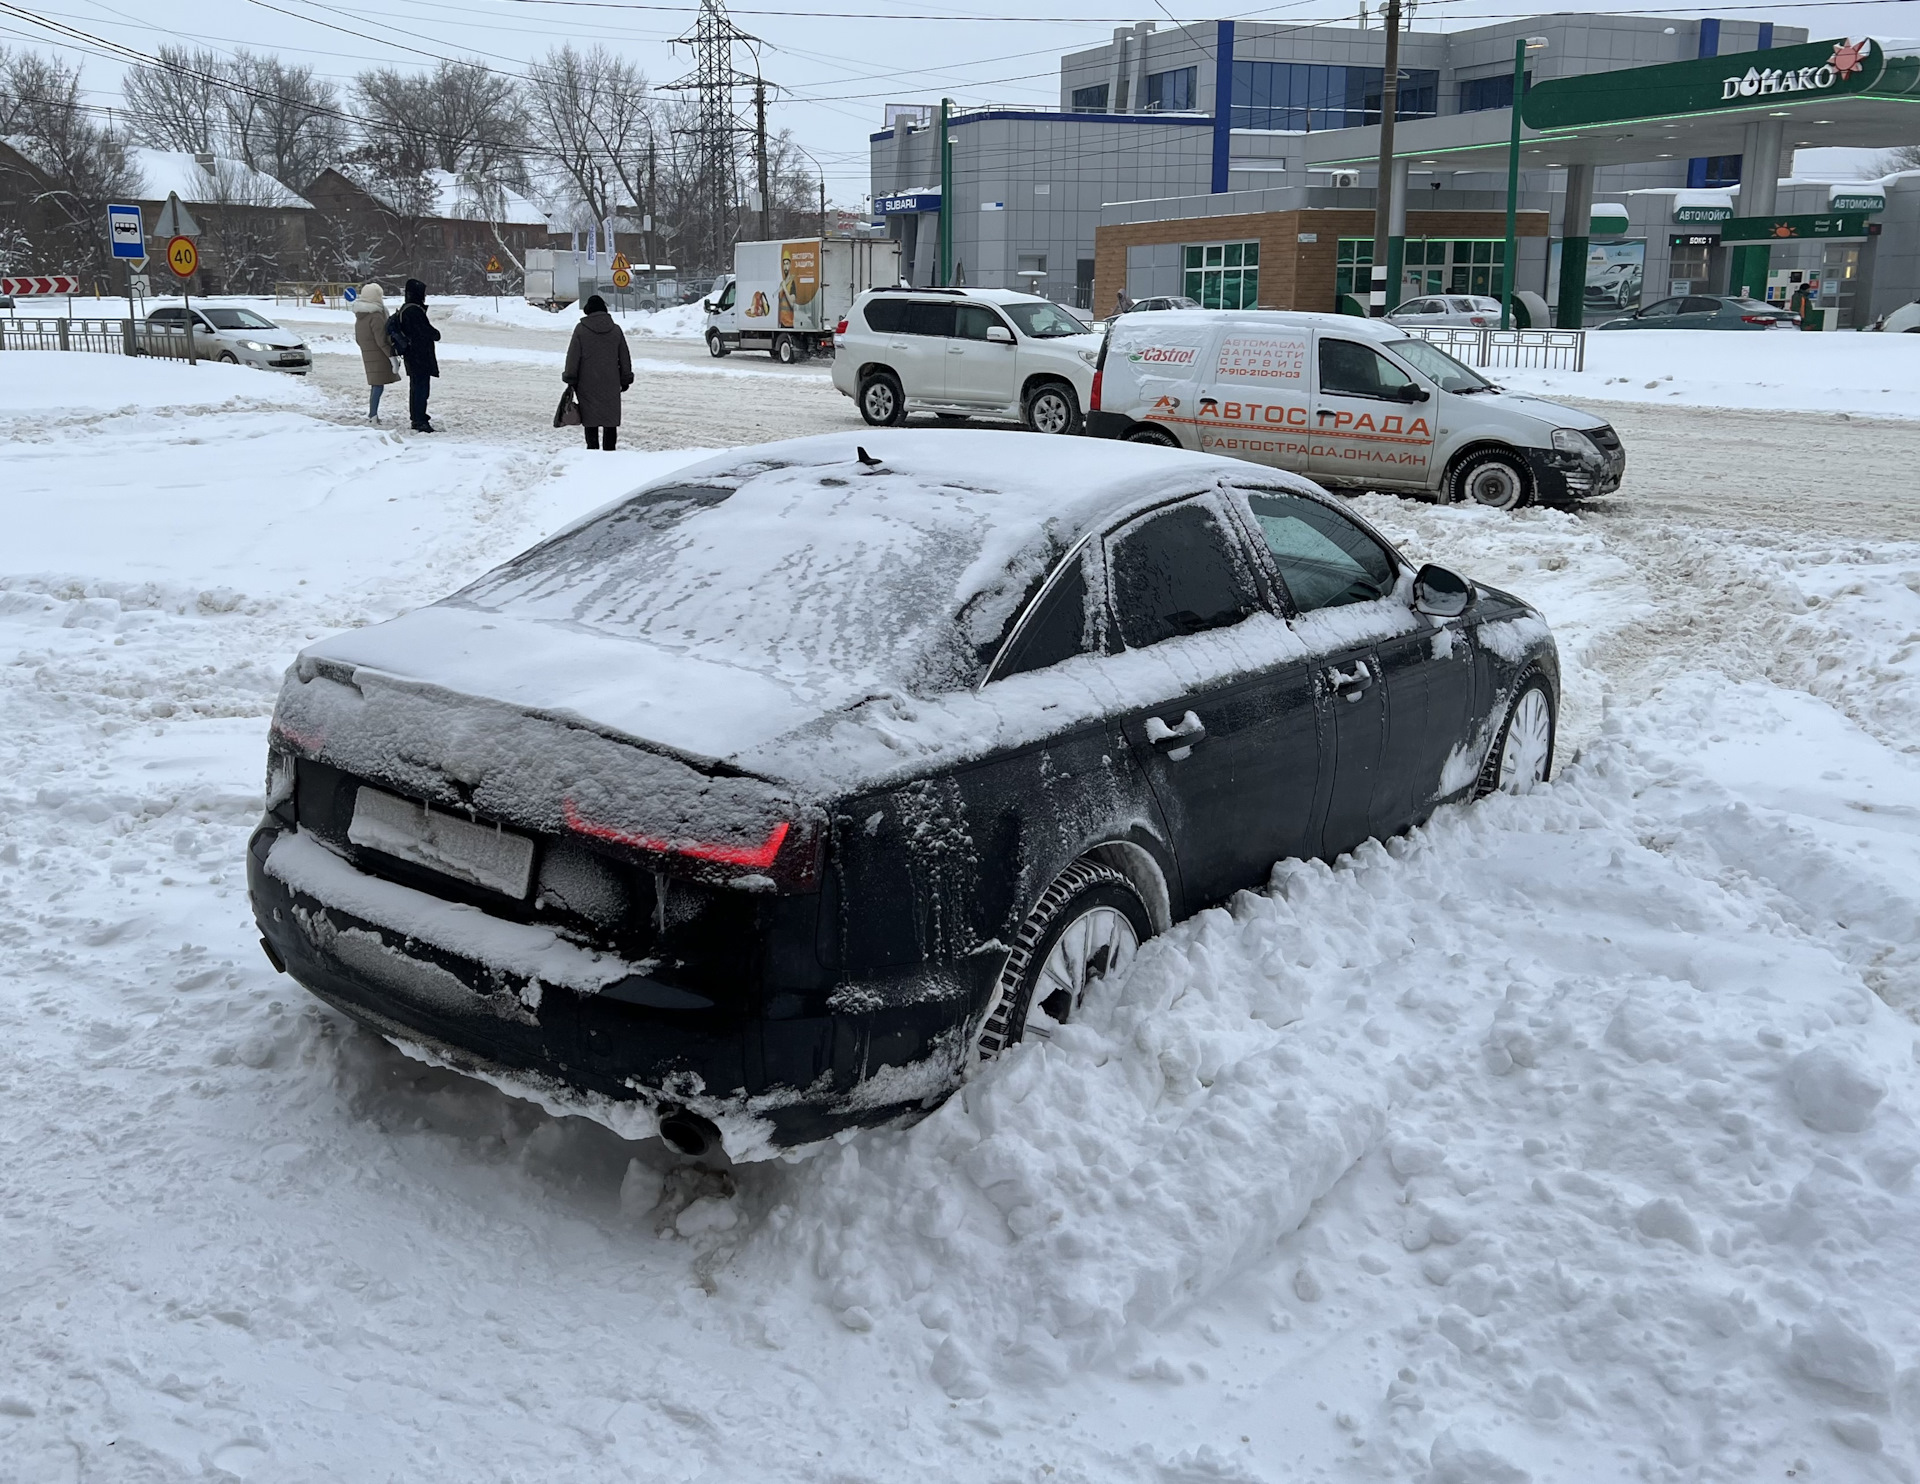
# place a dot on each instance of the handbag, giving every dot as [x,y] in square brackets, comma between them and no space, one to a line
[567,414]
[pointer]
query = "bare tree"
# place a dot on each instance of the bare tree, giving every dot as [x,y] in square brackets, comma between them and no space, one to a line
[282,120]
[74,166]
[593,120]
[1902,157]
[462,117]
[178,102]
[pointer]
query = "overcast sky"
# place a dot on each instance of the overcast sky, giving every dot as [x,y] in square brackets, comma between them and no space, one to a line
[836,73]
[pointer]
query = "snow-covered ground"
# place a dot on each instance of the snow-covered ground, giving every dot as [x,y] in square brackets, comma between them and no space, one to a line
[1571,1137]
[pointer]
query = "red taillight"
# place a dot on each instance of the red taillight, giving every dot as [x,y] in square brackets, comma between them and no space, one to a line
[841,328]
[753,857]
[1093,402]
[1759,319]
[1480,319]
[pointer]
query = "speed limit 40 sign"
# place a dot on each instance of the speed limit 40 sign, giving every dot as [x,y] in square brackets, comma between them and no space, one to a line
[183,257]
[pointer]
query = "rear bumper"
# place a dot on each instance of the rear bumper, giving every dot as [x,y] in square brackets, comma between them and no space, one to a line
[786,1062]
[1108,424]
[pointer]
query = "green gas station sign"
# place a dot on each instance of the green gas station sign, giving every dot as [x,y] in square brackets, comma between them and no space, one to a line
[1792,228]
[1817,70]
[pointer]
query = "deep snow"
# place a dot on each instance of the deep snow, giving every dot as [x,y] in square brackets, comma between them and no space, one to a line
[1570,1137]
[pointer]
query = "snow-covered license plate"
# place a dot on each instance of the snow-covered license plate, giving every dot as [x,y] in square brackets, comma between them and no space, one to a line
[482,854]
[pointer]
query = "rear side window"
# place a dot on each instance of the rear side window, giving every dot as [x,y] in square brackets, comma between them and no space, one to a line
[885,315]
[1324,558]
[1661,310]
[1056,630]
[1698,305]
[924,318]
[1177,572]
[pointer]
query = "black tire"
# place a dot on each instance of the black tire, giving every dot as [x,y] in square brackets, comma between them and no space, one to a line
[1083,889]
[716,347]
[1052,408]
[228,358]
[783,350]
[882,403]
[1491,477]
[1153,437]
[1489,778]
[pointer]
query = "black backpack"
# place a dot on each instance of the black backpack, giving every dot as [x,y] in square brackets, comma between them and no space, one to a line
[397,334]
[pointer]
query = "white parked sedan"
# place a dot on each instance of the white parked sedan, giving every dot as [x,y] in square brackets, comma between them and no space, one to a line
[1448,309]
[238,336]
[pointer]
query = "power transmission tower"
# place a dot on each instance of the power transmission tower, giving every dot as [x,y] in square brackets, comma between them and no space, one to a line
[715,174]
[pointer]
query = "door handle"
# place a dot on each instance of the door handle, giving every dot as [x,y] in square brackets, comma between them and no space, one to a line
[956,350]
[1176,742]
[1351,684]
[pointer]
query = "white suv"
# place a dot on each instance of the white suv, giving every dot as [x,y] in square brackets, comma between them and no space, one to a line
[960,353]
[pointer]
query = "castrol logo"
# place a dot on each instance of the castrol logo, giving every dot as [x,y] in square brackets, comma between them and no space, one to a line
[1162,355]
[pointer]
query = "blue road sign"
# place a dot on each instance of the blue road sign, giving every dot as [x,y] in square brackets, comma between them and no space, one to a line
[349,293]
[123,231]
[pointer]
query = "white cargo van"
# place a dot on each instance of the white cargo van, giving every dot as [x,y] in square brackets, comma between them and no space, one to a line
[1345,401]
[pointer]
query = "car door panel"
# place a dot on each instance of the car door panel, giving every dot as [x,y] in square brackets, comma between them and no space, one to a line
[980,372]
[926,327]
[1233,759]
[1364,432]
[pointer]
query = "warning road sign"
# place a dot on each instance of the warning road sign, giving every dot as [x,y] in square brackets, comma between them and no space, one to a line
[26,288]
[620,264]
[621,278]
[493,265]
[183,257]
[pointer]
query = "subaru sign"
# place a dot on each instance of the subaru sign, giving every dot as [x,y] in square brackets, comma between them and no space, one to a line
[908,201]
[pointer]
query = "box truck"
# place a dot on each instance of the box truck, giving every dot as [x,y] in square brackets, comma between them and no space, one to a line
[786,297]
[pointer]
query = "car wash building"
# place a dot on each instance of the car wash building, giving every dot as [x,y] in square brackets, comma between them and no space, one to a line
[1235,163]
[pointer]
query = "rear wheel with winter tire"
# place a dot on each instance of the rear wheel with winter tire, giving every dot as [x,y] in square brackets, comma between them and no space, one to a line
[1153,437]
[1493,478]
[1522,759]
[784,350]
[881,402]
[1053,408]
[1087,925]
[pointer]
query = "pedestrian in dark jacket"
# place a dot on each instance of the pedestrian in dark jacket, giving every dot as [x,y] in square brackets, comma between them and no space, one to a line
[418,335]
[598,369]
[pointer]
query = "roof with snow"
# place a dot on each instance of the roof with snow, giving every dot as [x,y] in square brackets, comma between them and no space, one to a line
[211,180]
[452,198]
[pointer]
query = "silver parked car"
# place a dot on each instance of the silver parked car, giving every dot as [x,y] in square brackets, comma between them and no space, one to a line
[238,336]
[1448,309]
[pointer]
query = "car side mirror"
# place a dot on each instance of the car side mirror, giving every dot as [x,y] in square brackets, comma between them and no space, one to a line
[999,335]
[1440,593]
[1412,393]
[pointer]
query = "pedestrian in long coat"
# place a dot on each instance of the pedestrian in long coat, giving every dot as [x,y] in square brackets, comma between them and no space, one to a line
[422,363]
[376,353]
[598,369]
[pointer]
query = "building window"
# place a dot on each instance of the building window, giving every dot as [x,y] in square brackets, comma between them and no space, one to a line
[1308,96]
[1473,265]
[1483,93]
[1090,100]
[1222,275]
[1171,92]
[1352,273]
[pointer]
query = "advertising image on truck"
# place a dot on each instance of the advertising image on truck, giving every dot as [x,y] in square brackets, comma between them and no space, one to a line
[786,297]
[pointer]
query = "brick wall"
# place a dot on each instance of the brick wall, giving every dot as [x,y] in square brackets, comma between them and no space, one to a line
[1293,274]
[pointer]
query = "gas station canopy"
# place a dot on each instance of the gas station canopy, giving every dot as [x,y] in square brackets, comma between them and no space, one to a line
[1828,92]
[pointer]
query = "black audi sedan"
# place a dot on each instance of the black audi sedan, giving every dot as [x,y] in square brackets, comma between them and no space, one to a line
[769,800]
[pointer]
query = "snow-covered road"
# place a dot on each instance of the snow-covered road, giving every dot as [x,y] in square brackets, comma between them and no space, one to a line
[1569,1138]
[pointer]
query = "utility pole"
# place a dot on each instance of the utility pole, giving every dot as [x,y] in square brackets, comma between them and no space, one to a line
[823,206]
[760,143]
[646,219]
[1377,304]
[716,181]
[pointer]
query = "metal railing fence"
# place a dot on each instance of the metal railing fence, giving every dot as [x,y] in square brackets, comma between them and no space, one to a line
[1554,350]
[114,337]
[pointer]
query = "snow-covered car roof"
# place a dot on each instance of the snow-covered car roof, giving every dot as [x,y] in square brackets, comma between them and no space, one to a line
[743,597]
[1346,324]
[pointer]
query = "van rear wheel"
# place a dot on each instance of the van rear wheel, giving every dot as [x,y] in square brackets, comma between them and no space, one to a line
[1154,437]
[783,350]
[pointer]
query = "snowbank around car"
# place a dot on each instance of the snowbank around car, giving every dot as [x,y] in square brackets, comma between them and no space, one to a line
[1863,375]
[52,383]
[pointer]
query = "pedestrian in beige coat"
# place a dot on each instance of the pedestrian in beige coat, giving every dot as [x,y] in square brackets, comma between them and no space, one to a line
[370,334]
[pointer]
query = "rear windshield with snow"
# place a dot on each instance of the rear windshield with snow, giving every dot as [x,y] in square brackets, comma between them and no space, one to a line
[819,577]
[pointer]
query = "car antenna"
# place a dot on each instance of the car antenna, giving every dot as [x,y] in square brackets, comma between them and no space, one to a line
[866,458]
